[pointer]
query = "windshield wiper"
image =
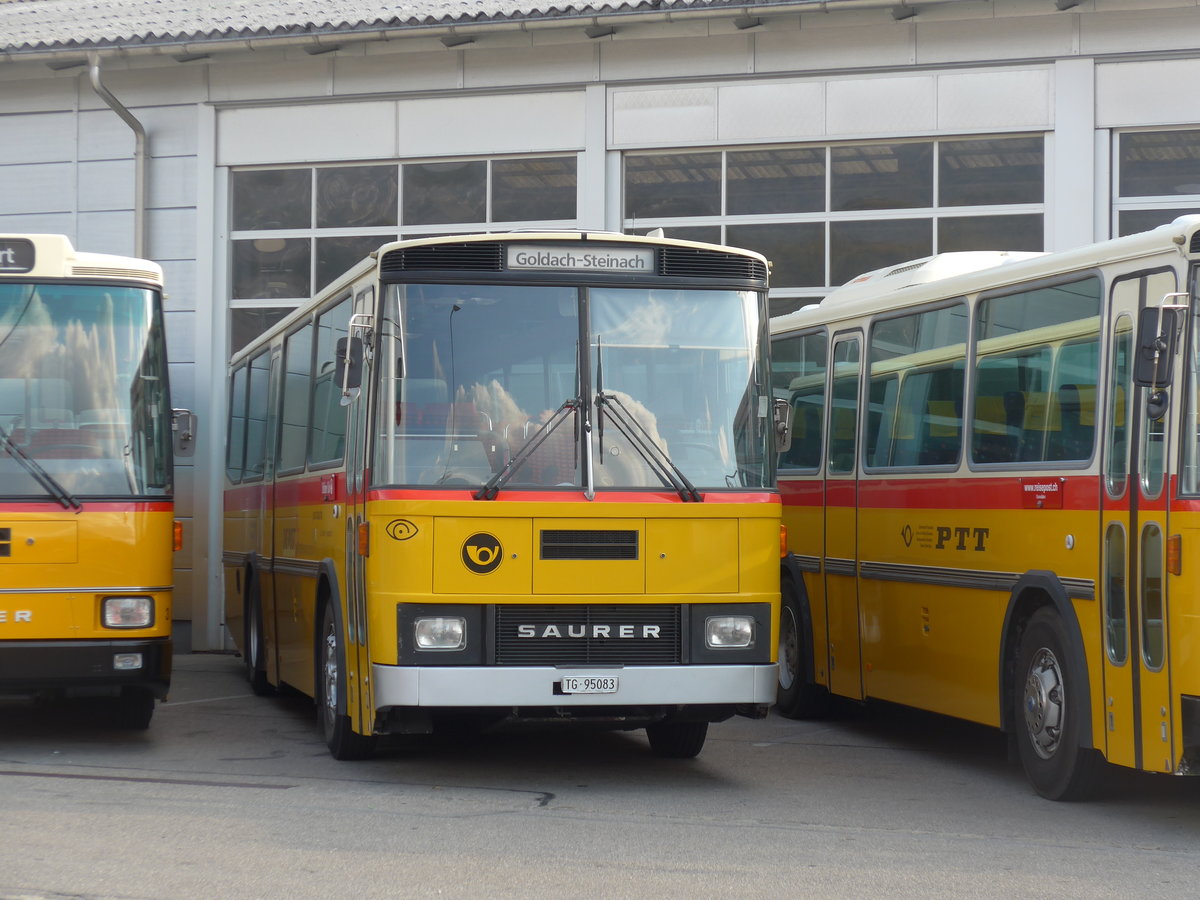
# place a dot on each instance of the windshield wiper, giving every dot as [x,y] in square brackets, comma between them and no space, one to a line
[493,485]
[649,449]
[48,482]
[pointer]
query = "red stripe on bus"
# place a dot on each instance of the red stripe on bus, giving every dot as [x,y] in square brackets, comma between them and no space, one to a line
[136,506]
[1079,492]
[552,496]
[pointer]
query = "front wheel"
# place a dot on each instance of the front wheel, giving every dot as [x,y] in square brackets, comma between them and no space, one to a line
[255,644]
[798,696]
[677,740]
[340,737]
[1048,713]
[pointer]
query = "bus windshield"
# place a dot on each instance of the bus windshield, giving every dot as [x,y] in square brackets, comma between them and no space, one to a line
[476,378]
[83,392]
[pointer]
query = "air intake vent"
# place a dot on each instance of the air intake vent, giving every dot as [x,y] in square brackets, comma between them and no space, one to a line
[691,262]
[555,635]
[1194,247]
[108,272]
[476,256]
[563,544]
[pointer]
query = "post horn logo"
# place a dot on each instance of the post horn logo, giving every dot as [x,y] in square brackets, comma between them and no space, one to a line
[482,553]
[401,529]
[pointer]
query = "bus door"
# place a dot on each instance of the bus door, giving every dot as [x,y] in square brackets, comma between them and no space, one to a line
[841,521]
[360,703]
[267,595]
[1134,529]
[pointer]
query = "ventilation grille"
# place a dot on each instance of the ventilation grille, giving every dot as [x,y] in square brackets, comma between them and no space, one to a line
[108,272]
[1194,247]
[562,544]
[631,635]
[696,263]
[481,256]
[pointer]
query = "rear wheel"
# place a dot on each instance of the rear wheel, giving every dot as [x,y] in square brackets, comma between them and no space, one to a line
[798,697]
[340,737]
[1048,713]
[677,740]
[255,643]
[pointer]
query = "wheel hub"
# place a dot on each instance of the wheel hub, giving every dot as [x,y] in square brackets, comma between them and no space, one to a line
[1044,703]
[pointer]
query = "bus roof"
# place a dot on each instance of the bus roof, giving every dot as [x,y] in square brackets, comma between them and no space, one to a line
[956,274]
[27,256]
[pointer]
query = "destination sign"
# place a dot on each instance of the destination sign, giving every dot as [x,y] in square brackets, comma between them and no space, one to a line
[581,259]
[16,256]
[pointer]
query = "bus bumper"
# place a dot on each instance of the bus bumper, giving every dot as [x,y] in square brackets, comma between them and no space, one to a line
[83,667]
[638,686]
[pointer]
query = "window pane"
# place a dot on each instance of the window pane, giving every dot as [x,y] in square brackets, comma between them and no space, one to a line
[775,181]
[246,324]
[990,233]
[256,415]
[796,251]
[844,416]
[882,176]
[293,437]
[917,366]
[1154,648]
[798,373]
[1159,163]
[356,197]
[858,247]
[328,414]
[271,269]
[1037,363]
[1135,221]
[235,440]
[437,193]
[992,170]
[278,198]
[526,190]
[1116,628]
[336,255]
[1116,471]
[680,184]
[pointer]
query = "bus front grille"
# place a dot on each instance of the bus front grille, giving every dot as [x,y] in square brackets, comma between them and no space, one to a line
[588,544]
[560,634]
[479,256]
[695,262]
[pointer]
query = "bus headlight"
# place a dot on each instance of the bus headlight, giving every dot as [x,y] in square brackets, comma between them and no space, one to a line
[440,633]
[729,631]
[127,612]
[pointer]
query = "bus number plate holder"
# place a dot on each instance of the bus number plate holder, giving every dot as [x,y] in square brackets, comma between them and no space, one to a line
[589,684]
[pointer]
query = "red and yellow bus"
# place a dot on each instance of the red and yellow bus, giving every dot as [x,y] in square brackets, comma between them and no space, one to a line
[87,529]
[519,477]
[990,507]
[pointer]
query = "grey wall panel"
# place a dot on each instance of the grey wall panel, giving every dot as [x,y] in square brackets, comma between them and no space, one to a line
[37,189]
[815,47]
[179,276]
[307,133]
[39,223]
[183,385]
[553,64]
[377,73]
[1158,92]
[679,115]
[791,111]
[274,76]
[995,100]
[172,181]
[905,104]
[172,233]
[1143,29]
[724,55]
[107,232]
[28,89]
[972,41]
[146,82]
[37,137]
[513,123]
[106,185]
[181,334]
[170,130]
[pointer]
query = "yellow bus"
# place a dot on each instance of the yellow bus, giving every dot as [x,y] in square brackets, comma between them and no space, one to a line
[87,528]
[992,482]
[511,477]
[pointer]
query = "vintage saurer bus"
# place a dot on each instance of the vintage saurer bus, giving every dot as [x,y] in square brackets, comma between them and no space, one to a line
[87,529]
[511,477]
[992,493]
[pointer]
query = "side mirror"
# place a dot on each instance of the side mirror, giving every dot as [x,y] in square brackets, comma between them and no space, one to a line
[1156,343]
[348,367]
[183,431]
[782,424]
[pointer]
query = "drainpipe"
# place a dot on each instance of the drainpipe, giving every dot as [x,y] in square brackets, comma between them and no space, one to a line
[139,155]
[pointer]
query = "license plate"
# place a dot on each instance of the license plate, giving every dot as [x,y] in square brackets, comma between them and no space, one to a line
[575,684]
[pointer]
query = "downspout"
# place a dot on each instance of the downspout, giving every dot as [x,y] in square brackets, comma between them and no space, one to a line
[139,155]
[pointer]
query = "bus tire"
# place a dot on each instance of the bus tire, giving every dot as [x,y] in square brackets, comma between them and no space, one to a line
[1047,713]
[677,740]
[340,737]
[133,709]
[255,644]
[797,697]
